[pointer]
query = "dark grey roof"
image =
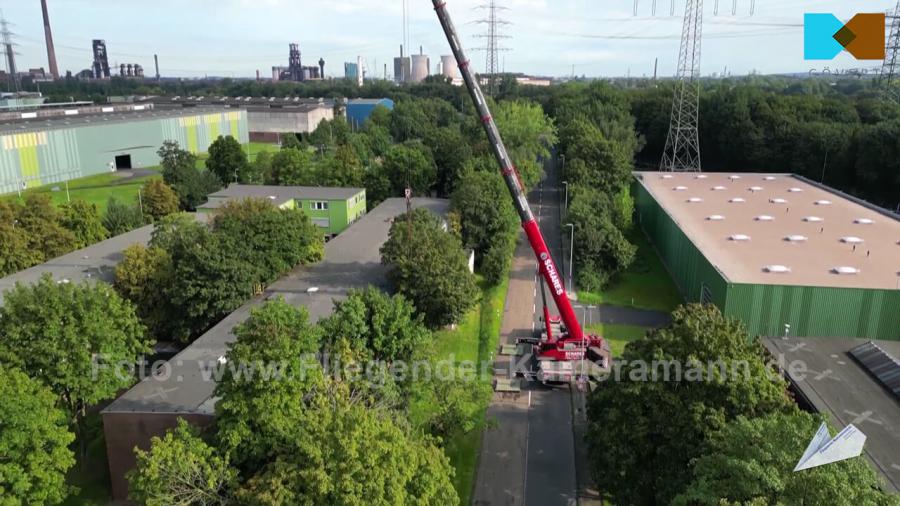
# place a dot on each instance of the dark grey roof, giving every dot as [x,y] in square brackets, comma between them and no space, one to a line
[83,120]
[828,379]
[880,364]
[285,193]
[95,262]
[352,260]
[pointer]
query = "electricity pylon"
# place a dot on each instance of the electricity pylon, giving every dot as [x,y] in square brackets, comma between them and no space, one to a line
[891,52]
[682,152]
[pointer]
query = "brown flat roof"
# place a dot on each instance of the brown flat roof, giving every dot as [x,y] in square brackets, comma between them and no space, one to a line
[780,221]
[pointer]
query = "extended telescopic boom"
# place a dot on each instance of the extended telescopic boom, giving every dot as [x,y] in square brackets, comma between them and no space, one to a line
[513,182]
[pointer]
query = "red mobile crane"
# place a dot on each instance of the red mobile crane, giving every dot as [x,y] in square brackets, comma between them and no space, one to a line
[569,342]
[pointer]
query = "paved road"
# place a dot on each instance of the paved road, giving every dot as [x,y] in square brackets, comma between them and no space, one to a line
[618,315]
[529,458]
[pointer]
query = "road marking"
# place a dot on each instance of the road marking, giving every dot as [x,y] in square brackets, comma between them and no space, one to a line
[161,393]
[796,347]
[529,398]
[895,467]
[865,416]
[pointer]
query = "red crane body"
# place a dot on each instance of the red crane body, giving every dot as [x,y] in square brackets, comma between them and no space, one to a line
[571,344]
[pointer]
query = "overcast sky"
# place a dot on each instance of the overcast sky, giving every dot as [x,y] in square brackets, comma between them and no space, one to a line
[547,37]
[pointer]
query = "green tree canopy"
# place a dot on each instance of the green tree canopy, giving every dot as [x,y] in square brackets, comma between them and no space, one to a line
[751,461]
[16,254]
[41,221]
[228,161]
[158,199]
[34,442]
[430,268]
[143,277]
[601,249]
[528,134]
[179,171]
[293,167]
[121,217]
[83,220]
[78,339]
[644,430]
[410,163]
[180,469]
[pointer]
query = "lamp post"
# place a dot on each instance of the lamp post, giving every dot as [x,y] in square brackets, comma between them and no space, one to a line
[571,256]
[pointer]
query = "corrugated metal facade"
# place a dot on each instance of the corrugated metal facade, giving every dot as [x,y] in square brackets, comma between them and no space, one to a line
[56,155]
[765,309]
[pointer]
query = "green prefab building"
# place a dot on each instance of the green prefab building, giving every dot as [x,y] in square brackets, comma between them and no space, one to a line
[332,209]
[784,255]
[52,149]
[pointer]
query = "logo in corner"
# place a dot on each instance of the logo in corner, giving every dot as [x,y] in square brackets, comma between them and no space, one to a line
[825,36]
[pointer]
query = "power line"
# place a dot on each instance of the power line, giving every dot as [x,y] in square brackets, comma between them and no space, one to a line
[492,36]
[682,151]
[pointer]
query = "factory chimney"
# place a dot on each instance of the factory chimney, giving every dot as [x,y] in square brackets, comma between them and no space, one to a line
[156,64]
[322,68]
[51,52]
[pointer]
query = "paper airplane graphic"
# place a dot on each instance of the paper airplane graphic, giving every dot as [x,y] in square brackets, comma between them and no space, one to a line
[822,450]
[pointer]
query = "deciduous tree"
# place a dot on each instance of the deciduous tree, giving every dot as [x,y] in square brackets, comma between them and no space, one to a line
[228,161]
[34,442]
[143,277]
[410,164]
[158,199]
[42,223]
[121,217]
[83,220]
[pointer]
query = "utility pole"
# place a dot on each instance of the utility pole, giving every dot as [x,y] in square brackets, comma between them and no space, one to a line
[10,55]
[682,152]
[492,46]
[571,257]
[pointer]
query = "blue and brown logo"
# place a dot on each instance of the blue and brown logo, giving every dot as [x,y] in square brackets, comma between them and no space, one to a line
[825,36]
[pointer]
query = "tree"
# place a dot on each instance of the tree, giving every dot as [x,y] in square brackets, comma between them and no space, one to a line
[408,121]
[376,325]
[451,151]
[330,133]
[143,277]
[34,442]
[228,161]
[653,417]
[41,221]
[83,220]
[751,461]
[75,338]
[430,268]
[293,167]
[489,221]
[344,169]
[179,170]
[181,469]
[601,249]
[159,199]
[274,239]
[15,254]
[261,167]
[528,134]
[121,218]
[290,141]
[595,161]
[175,230]
[410,164]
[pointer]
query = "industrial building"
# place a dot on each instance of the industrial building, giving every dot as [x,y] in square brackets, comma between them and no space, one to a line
[296,71]
[359,109]
[785,255]
[332,209]
[352,261]
[849,381]
[268,118]
[37,150]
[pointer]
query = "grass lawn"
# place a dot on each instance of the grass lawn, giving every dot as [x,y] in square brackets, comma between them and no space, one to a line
[645,285]
[96,189]
[618,335]
[473,339]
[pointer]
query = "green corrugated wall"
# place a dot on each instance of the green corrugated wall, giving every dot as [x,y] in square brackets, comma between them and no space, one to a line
[689,268]
[56,155]
[765,309]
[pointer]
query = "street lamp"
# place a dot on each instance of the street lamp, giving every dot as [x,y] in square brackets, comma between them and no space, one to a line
[571,257]
[566,205]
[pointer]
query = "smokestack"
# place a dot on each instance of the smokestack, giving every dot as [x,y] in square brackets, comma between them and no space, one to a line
[257,75]
[401,50]
[51,52]
[156,63]
[421,50]
[655,66]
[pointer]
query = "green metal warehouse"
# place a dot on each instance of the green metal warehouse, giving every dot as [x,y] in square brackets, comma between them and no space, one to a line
[41,149]
[781,253]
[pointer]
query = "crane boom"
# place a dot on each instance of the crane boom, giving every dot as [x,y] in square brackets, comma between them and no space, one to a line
[513,182]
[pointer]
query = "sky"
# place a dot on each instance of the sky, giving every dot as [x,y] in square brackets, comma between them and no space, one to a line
[596,38]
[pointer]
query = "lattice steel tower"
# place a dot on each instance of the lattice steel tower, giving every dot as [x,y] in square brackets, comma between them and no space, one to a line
[492,46]
[891,52]
[682,153]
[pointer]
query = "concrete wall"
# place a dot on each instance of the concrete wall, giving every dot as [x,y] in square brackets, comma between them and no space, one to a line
[126,431]
[52,156]
[287,120]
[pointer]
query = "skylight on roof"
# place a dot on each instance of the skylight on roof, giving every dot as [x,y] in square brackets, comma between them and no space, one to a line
[764,217]
[795,190]
[718,188]
[715,217]
[755,188]
[701,176]
[796,238]
[823,202]
[863,221]
[734,177]
[770,178]
[680,188]
[845,270]
[737,200]
[813,219]
[694,200]
[778,201]
[739,237]
[777,269]
[667,176]
[851,240]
